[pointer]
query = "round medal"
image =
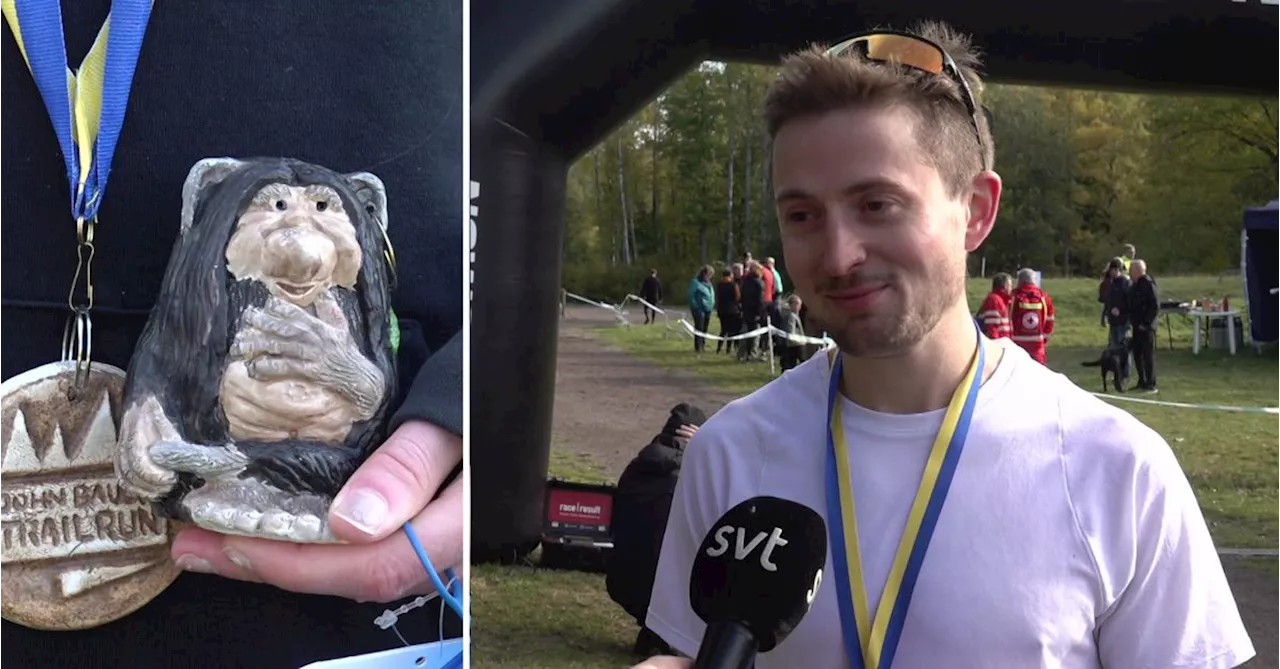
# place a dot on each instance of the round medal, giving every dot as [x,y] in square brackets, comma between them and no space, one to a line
[79,550]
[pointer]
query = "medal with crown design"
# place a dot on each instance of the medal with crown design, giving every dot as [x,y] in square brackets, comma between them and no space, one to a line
[79,549]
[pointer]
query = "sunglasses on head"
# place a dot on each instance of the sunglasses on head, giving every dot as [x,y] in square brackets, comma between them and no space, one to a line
[917,53]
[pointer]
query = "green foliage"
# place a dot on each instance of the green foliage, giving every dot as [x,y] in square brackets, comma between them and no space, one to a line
[1083,171]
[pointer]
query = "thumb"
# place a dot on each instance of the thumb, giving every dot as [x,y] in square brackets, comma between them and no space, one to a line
[395,483]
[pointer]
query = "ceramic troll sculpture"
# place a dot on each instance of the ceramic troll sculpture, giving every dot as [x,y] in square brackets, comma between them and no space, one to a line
[263,377]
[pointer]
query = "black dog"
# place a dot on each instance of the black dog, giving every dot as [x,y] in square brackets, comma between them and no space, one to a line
[1114,361]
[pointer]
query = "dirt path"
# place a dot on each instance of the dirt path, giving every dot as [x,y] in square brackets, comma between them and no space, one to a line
[609,404]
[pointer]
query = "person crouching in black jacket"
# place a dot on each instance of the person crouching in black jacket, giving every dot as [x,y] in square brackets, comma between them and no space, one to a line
[641,504]
[1144,313]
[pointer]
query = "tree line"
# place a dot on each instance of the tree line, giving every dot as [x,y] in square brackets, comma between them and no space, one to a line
[684,182]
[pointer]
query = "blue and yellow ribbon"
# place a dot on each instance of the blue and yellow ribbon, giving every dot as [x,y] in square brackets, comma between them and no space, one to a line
[86,107]
[871,643]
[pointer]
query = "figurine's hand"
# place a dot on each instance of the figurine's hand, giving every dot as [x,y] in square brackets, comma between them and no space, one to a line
[396,484]
[143,426]
[281,340]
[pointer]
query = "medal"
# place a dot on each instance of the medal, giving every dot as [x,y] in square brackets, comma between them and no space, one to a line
[79,550]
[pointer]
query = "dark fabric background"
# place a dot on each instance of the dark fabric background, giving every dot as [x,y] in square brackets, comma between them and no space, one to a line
[349,85]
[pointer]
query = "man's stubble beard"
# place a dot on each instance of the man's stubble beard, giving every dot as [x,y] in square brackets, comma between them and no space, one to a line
[894,331]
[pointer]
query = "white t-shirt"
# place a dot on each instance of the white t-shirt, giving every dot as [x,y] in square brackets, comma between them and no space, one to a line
[1070,537]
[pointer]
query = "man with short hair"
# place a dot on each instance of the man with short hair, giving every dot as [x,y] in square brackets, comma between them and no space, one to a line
[1031,316]
[1144,315]
[1067,535]
[994,312]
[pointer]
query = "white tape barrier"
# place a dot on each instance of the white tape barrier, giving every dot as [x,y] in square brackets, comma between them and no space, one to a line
[617,311]
[799,339]
[666,322]
[1186,405]
[641,300]
[693,331]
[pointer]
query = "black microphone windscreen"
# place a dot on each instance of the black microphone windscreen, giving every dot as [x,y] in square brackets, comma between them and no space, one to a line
[761,566]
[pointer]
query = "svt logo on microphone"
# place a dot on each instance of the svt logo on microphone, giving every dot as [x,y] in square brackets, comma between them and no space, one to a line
[742,549]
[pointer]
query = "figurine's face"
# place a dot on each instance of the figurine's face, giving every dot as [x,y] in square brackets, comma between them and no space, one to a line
[298,241]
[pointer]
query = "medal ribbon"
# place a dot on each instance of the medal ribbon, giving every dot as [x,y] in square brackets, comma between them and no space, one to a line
[87,108]
[871,643]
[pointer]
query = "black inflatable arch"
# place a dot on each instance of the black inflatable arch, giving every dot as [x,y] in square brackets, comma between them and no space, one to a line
[551,78]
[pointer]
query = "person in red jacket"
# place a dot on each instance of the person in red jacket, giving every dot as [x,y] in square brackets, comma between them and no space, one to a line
[994,313]
[1031,315]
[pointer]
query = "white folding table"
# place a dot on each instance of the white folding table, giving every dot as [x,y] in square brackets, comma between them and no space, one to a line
[1208,316]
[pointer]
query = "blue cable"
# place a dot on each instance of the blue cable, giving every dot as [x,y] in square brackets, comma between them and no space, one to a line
[445,594]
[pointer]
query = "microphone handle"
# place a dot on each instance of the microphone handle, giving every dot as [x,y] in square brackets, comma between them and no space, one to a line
[727,645]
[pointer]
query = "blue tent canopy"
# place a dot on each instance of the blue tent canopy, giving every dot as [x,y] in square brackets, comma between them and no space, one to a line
[1258,250]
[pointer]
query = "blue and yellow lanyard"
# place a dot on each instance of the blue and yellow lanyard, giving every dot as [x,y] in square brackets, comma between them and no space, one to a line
[87,107]
[870,643]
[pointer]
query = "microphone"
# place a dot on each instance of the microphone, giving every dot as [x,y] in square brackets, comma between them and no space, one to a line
[754,578]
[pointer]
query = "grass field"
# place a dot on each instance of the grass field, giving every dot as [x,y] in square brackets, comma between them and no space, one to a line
[540,619]
[529,618]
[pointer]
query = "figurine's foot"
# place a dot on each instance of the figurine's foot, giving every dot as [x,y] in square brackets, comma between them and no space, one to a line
[251,508]
[231,504]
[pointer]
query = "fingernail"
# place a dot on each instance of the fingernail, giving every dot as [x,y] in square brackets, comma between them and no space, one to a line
[194,563]
[237,558]
[366,510]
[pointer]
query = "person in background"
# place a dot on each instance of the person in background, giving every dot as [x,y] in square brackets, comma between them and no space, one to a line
[640,507]
[651,292]
[1114,295]
[777,278]
[993,315]
[770,295]
[1031,315]
[790,323]
[766,275]
[775,304]
[1115,267]
[1127,254]
[753,309]
[728,310]
[702,301]
[1144,315]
